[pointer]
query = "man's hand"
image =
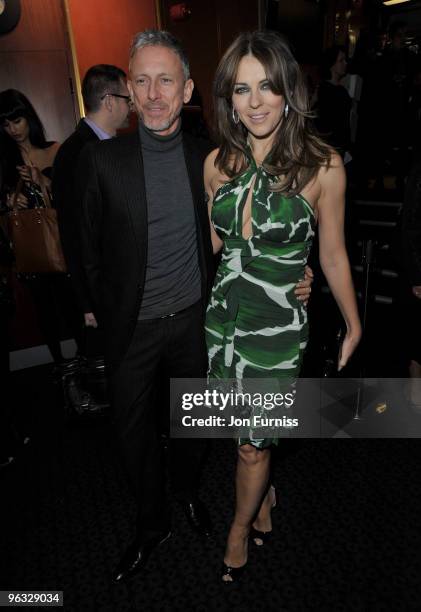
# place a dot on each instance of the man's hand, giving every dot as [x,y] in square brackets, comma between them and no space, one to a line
[90,320]
[303,287]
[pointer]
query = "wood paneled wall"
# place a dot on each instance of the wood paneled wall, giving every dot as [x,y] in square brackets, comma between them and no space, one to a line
[103,29]
[211,27]
[35,59]
[40,27]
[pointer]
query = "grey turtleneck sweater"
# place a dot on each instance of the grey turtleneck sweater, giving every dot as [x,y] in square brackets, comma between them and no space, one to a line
[172,280]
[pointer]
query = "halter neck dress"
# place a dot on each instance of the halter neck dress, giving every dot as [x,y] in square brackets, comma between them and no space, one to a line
[255,325]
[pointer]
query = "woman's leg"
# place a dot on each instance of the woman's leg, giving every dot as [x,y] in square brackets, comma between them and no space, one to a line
[263,520]
[253,468]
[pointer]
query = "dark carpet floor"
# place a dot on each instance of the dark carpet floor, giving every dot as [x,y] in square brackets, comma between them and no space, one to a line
[346,529]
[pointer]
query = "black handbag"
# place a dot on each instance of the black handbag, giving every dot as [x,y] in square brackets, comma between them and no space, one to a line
[84,388]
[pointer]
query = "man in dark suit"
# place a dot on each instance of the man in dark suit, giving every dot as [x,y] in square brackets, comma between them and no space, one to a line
[149,265]
[106,98]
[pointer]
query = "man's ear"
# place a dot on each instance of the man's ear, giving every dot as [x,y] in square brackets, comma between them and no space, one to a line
[108,103]
[188,90]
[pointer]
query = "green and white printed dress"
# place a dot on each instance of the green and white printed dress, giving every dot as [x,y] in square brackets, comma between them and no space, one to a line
[255,325]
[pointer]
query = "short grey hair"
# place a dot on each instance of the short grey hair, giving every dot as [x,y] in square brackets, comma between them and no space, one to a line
[149,38]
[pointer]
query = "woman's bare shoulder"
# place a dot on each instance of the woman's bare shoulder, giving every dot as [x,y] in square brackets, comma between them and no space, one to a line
[210,166]
[54,147]
[333,164]
[51,152]
[213,176]
[332,172]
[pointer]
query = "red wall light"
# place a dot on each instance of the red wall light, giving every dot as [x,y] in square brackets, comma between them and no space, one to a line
[179,12]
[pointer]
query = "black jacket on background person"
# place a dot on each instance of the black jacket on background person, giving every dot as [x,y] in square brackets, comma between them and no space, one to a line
[407,254]
[333,110]
[67,189]
[411,224]
[115,232]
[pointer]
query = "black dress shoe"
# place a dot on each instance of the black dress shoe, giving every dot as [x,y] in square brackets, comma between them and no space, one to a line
[197,516]
[136,557]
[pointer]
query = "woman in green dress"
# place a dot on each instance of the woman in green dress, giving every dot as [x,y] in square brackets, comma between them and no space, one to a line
[269,183]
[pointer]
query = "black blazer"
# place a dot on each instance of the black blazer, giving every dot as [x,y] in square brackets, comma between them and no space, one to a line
[114,232]
[67,188]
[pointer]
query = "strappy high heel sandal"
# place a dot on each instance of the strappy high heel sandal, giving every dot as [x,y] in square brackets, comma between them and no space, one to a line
[263,536]
[260,537]
[234,573]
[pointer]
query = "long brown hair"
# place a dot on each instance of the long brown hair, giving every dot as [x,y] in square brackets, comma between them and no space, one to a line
[297,151]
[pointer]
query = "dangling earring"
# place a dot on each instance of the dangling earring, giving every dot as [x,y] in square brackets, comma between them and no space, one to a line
[286,111]
[235,116]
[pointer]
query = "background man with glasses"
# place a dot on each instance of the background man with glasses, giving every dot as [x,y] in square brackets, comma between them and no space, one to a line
[106,99]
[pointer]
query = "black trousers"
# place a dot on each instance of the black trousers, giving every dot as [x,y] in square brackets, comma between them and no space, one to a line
[164,348]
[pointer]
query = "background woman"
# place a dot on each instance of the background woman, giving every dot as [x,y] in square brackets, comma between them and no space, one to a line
[269,182]
[27,149]
[29,156]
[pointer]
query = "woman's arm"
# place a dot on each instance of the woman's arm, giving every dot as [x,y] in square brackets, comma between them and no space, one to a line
[209,174]
[333,256]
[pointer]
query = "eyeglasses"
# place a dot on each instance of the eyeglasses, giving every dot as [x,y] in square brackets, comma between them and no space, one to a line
[127,98]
